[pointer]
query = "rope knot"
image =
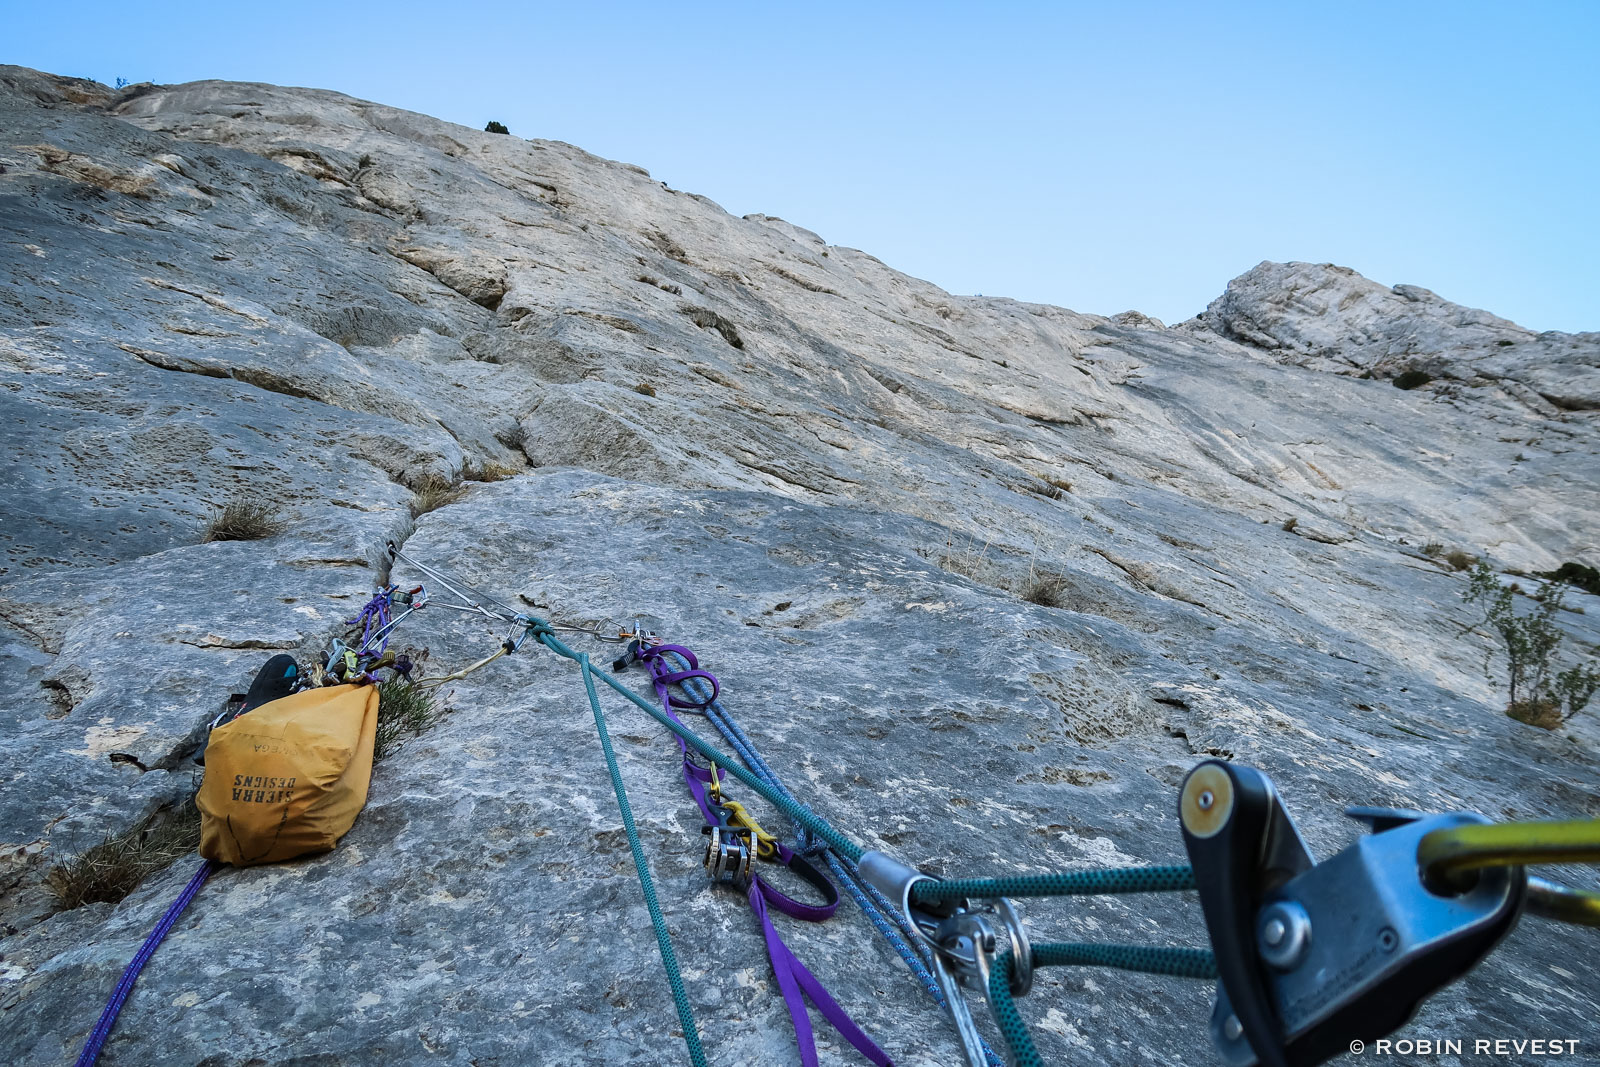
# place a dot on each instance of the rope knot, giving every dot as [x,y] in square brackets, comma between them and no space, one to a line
[537,628]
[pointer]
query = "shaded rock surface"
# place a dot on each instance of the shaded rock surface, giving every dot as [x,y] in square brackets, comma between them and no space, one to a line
[828,478]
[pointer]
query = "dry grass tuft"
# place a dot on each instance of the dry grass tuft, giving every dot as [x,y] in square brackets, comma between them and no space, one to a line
[1044,588]
[433,494]
[665,287]
[970,562]
[1460,560]
[1545,714]
[489,471]
[109,871]
[707,319]
[242,520]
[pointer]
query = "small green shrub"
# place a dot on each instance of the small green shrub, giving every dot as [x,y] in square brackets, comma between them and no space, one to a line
[1433,549]
[1505,344]
[404,710]
[110,870]
[1575,687]
[243,520]
[1538,693]
[1581,575]
[1411,379]
[495,127]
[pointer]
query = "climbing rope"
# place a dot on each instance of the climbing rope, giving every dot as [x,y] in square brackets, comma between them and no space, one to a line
[737,840]
[886,919]
[108,1017]
[669,958]
[1102,881]
[1108,880]
[1450,856]
[1172,962]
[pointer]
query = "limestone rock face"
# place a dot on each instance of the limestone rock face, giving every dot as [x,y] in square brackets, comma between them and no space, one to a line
[831,480]
[1328,317]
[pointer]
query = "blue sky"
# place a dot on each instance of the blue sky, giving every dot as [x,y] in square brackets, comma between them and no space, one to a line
[1101,157]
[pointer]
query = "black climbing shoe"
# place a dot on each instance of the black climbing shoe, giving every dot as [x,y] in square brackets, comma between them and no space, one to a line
[277,678]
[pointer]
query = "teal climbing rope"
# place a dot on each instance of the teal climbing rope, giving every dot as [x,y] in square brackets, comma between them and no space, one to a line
[1100,881]
[1194,963]
[1172,962]
[795,811]
[669,958]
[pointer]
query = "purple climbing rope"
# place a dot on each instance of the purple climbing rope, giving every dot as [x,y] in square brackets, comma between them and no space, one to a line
[108,1017]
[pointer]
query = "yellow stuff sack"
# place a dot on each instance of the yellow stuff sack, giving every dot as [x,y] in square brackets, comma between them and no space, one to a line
[289,777]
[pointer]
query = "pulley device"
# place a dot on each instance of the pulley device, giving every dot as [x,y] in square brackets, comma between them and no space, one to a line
[963,940]
[1308,956]
[1311,956]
